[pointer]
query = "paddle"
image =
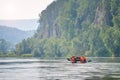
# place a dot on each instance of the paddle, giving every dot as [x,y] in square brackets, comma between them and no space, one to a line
[89,61]
[68,59]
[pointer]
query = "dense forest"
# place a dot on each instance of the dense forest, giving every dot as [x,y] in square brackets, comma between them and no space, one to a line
[76,27]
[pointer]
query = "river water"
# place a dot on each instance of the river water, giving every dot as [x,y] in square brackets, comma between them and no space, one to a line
[59,69]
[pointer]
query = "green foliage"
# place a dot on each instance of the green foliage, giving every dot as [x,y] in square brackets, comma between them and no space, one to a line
[112,40]
[116,21]
[102,52]
[26,55]
[11,54]
[4,46]
[115,10]
[2,54]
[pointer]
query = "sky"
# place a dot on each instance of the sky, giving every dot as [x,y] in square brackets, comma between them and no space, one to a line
[22,9]
[22,14]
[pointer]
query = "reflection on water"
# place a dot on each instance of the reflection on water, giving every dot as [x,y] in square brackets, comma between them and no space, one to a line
[59,69]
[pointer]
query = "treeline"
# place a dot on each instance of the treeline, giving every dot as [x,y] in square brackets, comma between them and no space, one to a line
[6,49]
[76,27]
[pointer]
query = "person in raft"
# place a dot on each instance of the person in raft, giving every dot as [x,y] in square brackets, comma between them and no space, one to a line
[74,59]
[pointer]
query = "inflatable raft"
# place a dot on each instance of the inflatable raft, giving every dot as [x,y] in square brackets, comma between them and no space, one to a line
[81,59]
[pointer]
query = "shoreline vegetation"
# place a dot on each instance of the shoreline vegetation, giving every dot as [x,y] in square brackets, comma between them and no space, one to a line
[16,55]
[12,54]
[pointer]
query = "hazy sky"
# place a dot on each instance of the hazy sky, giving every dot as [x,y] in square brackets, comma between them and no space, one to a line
[22,9]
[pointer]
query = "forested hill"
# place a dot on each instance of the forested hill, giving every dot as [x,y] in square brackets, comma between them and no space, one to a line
[76,27]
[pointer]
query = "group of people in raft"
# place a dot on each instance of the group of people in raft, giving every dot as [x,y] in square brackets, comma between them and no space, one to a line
[74,59]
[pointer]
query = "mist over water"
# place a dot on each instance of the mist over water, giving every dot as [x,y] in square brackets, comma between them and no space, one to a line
[59,69]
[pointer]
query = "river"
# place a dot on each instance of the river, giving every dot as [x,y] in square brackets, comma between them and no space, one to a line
[59,69]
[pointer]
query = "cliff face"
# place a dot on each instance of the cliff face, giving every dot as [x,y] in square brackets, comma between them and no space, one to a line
[48,20]
[62,14]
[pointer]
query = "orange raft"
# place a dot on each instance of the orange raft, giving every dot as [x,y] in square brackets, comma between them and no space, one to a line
[74,59]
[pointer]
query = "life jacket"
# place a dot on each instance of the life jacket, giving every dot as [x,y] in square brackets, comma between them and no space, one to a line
[83,59]
[73,59]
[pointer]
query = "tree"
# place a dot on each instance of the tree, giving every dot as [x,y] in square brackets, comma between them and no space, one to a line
[4,46]
[112,40]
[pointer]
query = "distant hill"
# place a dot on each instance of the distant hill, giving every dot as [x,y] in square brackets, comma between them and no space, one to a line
[14,35]
[23,24]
